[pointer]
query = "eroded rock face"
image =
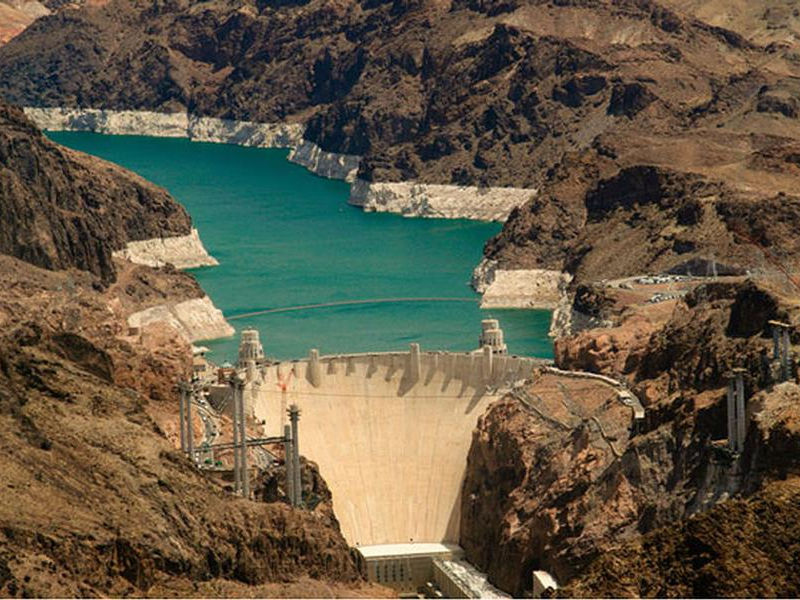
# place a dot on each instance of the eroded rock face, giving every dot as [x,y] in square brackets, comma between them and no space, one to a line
[647,219]
[550,490]
[459,93]
[101,459]
[742,547]
[532,499]
[571,99]
[96,499]
[62,209]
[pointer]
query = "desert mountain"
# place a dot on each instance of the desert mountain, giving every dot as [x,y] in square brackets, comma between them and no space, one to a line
[658,135]
[555,96]
[62,209]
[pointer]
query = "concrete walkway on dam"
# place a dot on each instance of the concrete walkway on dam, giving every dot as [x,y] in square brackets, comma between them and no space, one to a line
[390,432]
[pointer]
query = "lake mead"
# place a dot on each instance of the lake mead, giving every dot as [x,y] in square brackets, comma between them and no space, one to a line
[285,238]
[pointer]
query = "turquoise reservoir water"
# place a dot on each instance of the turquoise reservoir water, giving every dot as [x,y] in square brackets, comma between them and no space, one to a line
[285,237]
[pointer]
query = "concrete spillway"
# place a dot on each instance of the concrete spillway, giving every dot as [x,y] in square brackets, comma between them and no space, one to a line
[389,431]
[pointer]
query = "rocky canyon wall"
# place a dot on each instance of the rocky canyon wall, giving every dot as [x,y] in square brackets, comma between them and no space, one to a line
[97,499]
[556,481]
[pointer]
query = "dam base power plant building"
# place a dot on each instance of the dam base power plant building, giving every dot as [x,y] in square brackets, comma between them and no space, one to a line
[390,432]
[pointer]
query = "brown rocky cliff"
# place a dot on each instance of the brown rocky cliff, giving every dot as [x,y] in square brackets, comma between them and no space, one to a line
[647,219]
[111,508]
[744,547]
[573,99]
[561,97]
[445,92]
[63,209]
[96,500]
[545,487]
[551,493]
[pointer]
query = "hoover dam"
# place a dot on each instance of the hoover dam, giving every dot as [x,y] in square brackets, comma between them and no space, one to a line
[390,436]
[390,433]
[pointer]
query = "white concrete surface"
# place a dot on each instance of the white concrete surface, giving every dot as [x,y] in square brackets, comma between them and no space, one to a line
[459,579]
[424,548]
[542,581]
[392,448]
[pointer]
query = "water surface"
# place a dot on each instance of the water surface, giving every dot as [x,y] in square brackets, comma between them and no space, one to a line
[285,237]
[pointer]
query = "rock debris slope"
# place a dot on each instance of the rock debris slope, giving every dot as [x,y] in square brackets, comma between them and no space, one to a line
[96,500]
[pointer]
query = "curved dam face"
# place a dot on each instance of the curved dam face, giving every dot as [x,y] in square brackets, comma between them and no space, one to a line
[389,431]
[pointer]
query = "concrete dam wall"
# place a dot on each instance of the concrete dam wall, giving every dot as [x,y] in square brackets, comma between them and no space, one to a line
[390,432]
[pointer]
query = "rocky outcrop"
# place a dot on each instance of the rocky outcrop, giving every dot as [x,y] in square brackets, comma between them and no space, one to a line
[646,219]
[543,480]
[63,209]
[326,164]
[16,15]
[195,320]
[183,252]
[548,491]
[744,547]
[91,452]
[414,199]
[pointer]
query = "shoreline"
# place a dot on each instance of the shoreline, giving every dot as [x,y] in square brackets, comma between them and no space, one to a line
[438,201]
[543,289]
[407,198]
[413,199]
[195,319]
[183,252]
